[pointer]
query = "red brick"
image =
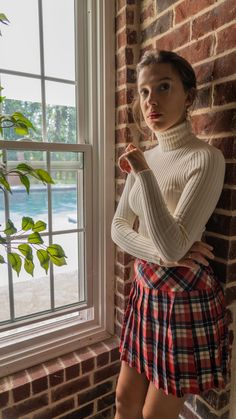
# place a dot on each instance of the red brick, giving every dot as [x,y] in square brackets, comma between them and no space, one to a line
[222,224]
[102,354]
[230,175]
[123,135]
[22,409]
[176,38]
[188,8]
[84,412]
[87,359]
[225,272]
[4,398]
[122,3]
[126,17]
[39,378]
[226,145]
[126,75]
[226,38]
[118,330]
[213,123]
[124,288]
[227,199]
[199,50]
[159,26]
[106,401]
[120,302]
[230,295]
[70,388]
[21,386]
[213,70]
[94,392]
[222,248]
[213,19]
[123,257]
[112,343]
[147,13]
[119,316]
[124,57]
[203,99]
[105,414]
[164,4]
[123,272]
[126,37]
[56,372]
[106,372]
[124,97]
[224,93]
[125,116]
[71,366]
[57,410]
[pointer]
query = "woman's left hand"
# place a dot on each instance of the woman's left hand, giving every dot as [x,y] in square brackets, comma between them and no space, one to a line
[132,159]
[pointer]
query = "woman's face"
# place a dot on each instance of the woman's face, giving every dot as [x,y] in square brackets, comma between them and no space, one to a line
[163,99]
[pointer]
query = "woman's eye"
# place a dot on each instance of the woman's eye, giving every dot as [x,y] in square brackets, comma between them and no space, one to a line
[143,92]
[164,87]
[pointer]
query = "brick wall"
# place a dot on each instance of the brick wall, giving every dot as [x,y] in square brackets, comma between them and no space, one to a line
[204,32]
[74,386]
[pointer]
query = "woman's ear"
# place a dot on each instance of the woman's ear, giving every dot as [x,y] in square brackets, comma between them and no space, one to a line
[191,95]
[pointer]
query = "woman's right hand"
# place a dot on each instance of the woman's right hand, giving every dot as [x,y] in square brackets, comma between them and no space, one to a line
[197,254]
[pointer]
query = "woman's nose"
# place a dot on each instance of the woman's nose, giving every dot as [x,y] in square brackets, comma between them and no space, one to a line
[152,99]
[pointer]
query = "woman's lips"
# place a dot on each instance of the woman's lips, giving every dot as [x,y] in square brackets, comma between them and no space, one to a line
[154,115]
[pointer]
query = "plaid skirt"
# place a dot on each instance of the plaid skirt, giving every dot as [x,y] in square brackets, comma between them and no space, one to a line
[175,329]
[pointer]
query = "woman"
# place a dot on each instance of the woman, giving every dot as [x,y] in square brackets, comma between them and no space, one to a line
[174,339]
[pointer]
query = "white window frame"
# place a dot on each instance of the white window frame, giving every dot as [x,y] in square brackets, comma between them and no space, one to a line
[96,39]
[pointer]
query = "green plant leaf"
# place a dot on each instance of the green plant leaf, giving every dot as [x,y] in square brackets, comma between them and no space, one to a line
[35,238]
[3,240]
[25,181]
[56,250]
[39,226]
[43,259]
[26,250]
[4,19]
[44,176]
[25,167]
[58,261]
[15,262]
[27,223]
[4,182]
[21,130]
[29,266]
[10,228]
[2,98]
[2,260]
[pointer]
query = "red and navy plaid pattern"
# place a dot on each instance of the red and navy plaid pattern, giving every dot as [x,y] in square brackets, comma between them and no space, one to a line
[175,329]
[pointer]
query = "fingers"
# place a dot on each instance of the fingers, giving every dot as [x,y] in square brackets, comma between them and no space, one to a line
[203,249]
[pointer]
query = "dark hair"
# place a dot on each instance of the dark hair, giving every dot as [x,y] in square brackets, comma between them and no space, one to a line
[178,63]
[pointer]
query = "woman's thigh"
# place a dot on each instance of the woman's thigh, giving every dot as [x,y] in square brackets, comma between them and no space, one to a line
[131,388]
[158,405]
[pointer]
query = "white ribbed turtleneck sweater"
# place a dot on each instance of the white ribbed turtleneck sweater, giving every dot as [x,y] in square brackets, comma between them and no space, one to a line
[173,199]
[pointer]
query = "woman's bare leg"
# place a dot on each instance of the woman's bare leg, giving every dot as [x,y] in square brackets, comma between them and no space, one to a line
[130,393]
[158,405]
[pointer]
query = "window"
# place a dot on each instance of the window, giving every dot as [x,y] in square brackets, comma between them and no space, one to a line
[57,72]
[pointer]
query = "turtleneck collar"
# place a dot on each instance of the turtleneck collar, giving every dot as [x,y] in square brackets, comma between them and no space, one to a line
[174,137]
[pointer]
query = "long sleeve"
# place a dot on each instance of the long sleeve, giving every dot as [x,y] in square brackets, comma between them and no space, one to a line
[173,235]
[124,235]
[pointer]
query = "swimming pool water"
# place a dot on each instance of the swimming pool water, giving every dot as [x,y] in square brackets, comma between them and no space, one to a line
[64,199]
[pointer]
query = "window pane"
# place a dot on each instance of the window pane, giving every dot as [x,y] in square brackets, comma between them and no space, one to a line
[67,194]
[23,95]
[20,40]
[31,295]
[59,46]
[69,283]
[61,115]
[34,204]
